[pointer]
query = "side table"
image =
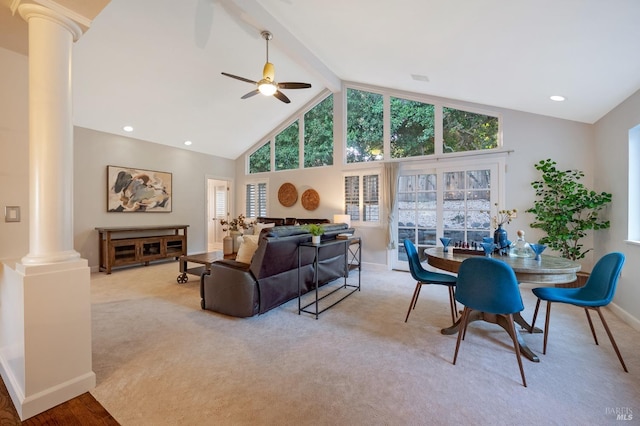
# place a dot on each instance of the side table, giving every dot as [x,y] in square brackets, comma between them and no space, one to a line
[205,259]
[352,261]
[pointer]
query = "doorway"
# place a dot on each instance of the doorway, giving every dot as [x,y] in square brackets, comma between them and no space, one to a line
[218,191]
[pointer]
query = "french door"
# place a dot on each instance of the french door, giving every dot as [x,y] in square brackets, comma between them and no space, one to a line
[452,201]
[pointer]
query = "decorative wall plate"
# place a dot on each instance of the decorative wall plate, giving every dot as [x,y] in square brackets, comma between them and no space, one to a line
[310,199]
[287,194]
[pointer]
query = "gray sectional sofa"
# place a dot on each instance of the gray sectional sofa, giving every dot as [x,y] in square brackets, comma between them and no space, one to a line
[271,279]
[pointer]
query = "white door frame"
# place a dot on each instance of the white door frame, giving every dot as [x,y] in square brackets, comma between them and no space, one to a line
[210,203]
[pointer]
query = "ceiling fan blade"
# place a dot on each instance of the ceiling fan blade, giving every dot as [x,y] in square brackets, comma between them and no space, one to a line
[293,85]
[282,97]
[250,94]
[239,78]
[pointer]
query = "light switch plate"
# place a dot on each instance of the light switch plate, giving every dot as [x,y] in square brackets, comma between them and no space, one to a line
[12,214]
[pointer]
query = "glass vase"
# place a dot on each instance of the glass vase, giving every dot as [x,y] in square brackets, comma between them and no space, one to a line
[500,238]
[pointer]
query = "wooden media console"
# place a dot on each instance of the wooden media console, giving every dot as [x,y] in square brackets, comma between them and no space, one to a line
[120,246]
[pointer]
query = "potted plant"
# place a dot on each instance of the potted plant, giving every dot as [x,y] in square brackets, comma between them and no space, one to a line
[316,231]
[565,209]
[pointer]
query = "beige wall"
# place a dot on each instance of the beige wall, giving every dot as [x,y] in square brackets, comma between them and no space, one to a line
[14,152]
[612,171]
[94,151]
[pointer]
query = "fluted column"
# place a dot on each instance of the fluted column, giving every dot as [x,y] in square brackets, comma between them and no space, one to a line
[51,36]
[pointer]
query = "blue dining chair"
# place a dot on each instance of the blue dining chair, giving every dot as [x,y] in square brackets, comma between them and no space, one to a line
[489,286]
[597,292]
[423,277]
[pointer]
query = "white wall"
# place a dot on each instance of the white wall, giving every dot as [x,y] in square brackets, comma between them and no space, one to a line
[612,171]
[94,151]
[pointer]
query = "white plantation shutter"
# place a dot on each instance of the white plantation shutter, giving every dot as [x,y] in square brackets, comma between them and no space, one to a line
[256,199]
[362,197]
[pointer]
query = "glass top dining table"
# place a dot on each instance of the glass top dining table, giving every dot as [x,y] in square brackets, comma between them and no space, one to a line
[548,270]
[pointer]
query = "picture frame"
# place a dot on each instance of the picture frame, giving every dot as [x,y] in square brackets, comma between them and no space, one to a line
[136,190]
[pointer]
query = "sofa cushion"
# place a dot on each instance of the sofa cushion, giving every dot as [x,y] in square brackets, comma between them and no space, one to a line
[247,248]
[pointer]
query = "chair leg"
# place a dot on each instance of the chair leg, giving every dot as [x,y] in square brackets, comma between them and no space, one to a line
[516,346]
[462,328]
[546,328]
[414,300]
[613,342]
[452,303]
[535,315]
[593,330]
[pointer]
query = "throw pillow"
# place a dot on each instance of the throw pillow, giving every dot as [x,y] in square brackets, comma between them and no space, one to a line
[247,248]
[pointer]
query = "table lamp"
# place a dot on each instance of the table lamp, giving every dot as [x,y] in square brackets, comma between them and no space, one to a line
[342,218]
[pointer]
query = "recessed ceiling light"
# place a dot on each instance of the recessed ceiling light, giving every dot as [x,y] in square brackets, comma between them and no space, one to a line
[187,143]
[419,77]
[557,98]
[127,129]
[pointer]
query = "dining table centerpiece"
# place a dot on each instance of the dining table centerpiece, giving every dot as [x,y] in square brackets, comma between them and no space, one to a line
[500,235]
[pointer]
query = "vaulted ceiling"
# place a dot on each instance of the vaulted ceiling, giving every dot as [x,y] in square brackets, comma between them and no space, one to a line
[156,64]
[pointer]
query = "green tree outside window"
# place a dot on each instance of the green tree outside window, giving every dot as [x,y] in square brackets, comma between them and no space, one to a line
[287,147]
[318,134]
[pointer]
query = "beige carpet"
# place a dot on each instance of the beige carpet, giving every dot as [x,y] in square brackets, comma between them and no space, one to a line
[161,360]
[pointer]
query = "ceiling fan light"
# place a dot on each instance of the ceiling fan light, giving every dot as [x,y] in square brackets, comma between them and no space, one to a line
[267,88]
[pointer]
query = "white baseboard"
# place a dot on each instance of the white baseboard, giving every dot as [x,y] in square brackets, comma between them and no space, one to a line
[46,399]
[49,398]
[625,316]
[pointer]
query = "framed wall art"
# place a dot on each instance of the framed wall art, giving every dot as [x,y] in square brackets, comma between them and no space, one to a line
[138,190]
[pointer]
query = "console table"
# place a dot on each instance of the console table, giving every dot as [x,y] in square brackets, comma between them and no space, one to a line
[352,261]
[119,246]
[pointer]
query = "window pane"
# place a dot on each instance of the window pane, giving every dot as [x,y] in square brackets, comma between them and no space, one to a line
[411,128]
[453,180]
[260,161]
[467,205]
[468,131]
[417,216]
[371,207]
[287,146]
[318,134]
[426,237]
[364,126]
[352,196]
[478,179]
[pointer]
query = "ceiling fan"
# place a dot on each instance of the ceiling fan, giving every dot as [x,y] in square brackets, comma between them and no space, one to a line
[267,86]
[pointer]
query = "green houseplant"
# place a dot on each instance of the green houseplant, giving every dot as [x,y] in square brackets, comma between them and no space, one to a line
[565,209]
[316,231]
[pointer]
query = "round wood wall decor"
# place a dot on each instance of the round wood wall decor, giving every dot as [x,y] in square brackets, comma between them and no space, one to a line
[310,199]
[287,194]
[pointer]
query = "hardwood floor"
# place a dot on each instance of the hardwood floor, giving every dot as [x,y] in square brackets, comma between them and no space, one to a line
[83,410]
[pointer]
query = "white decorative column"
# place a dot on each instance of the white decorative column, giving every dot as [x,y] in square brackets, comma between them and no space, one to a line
[45,360]
[51,37]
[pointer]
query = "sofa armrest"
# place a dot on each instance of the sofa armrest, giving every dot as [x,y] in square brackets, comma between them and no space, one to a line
[229,288]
